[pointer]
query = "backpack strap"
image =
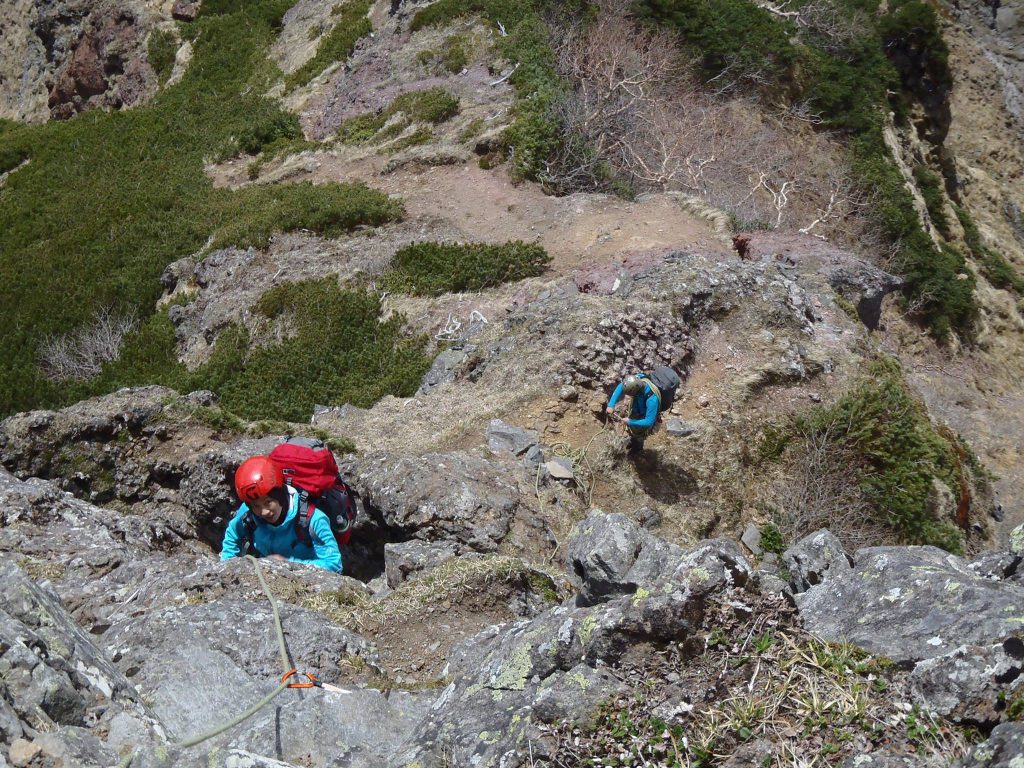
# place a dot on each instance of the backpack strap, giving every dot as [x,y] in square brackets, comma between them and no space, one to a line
[653,387]
[249,521]
[302,518]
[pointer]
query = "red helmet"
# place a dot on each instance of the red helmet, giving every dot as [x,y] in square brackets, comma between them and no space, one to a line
[257,477]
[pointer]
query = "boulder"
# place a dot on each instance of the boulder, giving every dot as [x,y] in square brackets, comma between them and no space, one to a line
[996,565]
[971,684]
[59,690]
[407,559]
[444,369]
[814,559]
[1003,749]
[611,555]
[520,443]
[910,604]
[457,497]
[200,664]
[185,10]
[552,669]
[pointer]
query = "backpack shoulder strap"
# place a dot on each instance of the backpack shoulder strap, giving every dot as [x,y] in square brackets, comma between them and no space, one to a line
[653,388]
[249,521]
[302,518]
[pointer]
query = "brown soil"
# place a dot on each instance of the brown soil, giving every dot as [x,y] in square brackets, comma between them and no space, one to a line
[485,206]
[413,650]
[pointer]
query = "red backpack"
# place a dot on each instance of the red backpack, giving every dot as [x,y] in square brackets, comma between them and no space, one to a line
[310,468]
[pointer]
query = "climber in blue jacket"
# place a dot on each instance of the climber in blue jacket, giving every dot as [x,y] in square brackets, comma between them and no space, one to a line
[643,412]
[265,524]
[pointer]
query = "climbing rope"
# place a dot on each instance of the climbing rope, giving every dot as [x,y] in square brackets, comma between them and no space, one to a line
[287,673]
[580,463]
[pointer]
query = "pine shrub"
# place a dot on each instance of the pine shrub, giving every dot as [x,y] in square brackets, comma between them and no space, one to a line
[431,269]
[350,26]
[898,450]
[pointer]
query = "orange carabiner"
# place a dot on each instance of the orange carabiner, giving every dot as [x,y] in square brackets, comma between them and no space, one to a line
[313,682]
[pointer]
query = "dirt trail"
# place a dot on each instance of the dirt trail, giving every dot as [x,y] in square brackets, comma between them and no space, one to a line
[485,206]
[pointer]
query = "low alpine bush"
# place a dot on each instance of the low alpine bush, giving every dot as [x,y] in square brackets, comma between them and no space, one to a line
[431,269]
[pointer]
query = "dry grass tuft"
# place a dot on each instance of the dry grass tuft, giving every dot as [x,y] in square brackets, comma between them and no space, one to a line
[450,581]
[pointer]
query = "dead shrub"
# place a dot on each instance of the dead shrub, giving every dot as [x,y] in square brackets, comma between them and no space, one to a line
[638,112]
[821,489]
[81,353]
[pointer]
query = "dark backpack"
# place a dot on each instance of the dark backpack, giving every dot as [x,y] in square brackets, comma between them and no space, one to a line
[666,383]
[310,468]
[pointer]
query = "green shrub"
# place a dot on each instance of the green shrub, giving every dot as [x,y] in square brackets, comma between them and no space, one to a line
[942,299]
[110,199]
[734,35]
[534,136]
[434,105]
[266,128]
[252,214]
[930,186]
[359,129]
[422,135]
[899,452]
[994,266]
[431,269]
[771,539]
[912,39]
[279,148]
[341,353]
[455,56]
[351,25]
[161,49]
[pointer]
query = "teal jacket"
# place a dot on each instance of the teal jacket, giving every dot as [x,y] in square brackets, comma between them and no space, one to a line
[282,539]
[643,411]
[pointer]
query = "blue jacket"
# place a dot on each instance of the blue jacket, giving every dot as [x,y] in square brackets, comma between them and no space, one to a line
[644,409]
[282,539]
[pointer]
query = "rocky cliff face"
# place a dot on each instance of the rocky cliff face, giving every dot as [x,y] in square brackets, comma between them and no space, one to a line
[113,644]
[60,58]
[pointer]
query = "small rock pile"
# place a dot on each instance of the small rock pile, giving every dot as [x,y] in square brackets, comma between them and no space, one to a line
[625,343]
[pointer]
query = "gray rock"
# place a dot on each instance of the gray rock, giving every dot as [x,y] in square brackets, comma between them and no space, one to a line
[443,370]
[457,497]
[407,559]
[611,555]
[771,584]
[969,685]
[200,664]
[560,469]
[996,565]
[752,539]
[1017,541]
[551,668]
[911,603]
[680,428]
[602,550]
[505,437]
[1003,749]
[814,559]
[56,682]
[75,746]
[882,760]
[184,10]
[568,394]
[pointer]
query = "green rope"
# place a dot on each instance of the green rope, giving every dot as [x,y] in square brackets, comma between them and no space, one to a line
[285,668]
